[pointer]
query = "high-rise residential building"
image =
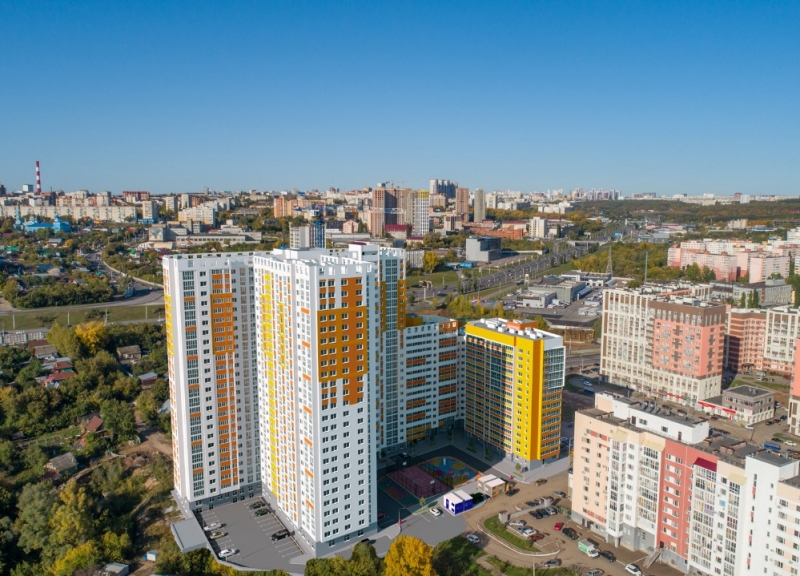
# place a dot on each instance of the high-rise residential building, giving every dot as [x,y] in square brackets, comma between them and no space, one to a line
[513,382]
[421,216]
[329,325]
[385,202]
[479,206]
[783,327]
[284,206]
[538,227]
[149,211]
[664,340]
[650,479]
[209,302]
[462,204]
[443,187]
[745,338]
[794,398]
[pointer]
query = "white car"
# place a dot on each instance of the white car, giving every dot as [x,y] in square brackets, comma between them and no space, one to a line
[633,569]
[517,523]
[212,526]
[226,552]
[473,538]
[436,512]
[790,443]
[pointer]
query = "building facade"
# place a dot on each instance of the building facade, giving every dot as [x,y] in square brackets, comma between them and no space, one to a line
[513,383]
[209,304]
[663,341]
[745,338]
[462,204]
[652,480]
[783,327]
[479,206]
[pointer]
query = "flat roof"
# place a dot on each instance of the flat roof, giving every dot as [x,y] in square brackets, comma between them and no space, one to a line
[189,535]
[772,458]
[748,391]
[501,325]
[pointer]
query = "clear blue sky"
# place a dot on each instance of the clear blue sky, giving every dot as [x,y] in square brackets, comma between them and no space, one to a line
[669,97]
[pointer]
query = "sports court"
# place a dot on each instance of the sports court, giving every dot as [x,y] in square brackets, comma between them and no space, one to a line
[396,493]
[451,471]
[415,480]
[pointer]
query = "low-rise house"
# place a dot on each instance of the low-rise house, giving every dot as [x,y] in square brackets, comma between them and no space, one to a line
[45,351]
[61,466]
[54,380]
[147,380]
[130,355]
[745,404]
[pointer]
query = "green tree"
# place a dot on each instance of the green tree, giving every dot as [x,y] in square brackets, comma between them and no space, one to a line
[365,561]
[73,522]
[36,505]
[34,457]
[743,301]
[118,420]
[65,341]
[9,458]
[115,546]
[75,559]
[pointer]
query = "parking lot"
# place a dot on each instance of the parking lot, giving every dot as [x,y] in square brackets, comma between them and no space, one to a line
[249,535]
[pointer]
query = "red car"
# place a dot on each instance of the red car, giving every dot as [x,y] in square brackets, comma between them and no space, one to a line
[559,525]
[381,514]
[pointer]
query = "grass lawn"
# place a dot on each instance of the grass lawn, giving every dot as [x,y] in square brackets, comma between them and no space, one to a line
[496,527]
[458,556]
[45,318]
[508,568]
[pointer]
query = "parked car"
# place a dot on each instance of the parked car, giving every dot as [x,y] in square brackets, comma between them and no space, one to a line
[279,535]
[526,532]
[633,569]
[537,514]
[608,555]
[381,514]
[517,523]
[776,439]
[551,510]
[535,537]
[256,505]
[541,481]
[215,535]
[512,492]
[570,533]
[261,512]
[436,512]
[473,538]
[534,503]
[212,526]
[790,443]
[226,552]
[560,494]
[559,525]
[552,563]
[595,572]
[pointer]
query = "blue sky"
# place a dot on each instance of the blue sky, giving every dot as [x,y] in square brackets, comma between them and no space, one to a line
[669,97]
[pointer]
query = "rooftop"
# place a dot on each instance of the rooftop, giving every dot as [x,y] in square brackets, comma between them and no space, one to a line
[523,328]
[748,392]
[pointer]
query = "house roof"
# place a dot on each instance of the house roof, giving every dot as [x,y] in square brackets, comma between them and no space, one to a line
[58,376]
[46,350]
[148,376]
[94,424]
[61,365]
[129,349]
[63,462]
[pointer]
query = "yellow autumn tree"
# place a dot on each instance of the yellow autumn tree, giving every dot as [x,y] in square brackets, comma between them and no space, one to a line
[76,558]
[93,335]
[73,522]
[409,556]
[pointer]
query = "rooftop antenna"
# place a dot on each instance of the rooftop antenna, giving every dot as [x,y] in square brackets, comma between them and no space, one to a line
[38,180]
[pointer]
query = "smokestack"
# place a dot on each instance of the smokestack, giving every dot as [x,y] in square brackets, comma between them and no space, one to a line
[38,180]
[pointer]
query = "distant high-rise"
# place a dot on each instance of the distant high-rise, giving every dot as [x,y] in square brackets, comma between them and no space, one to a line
[443,187]
[479,206]
[384,200]
[462,204]
[421,216]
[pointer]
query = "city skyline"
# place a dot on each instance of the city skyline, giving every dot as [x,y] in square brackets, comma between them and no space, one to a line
[670,99]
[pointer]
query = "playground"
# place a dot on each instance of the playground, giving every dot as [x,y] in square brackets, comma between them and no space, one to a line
[451,471]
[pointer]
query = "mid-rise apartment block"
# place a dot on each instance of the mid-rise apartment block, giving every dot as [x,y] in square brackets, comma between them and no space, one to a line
[647,478]
[744,343]
[783,328]
[462,204]
[209,303]
[513,383]
[794,399]
[664,341]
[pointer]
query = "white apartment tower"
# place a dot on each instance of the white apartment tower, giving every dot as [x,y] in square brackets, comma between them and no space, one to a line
[209,309]
[327,345]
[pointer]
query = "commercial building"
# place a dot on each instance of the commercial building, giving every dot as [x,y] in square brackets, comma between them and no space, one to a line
[664,340]
[483,249]
[743,404]
[209,303]
[650,479]
[513,381]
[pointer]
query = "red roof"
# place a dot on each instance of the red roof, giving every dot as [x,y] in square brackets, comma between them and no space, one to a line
[703,463]
[94,424]
[61,365]
[58,376]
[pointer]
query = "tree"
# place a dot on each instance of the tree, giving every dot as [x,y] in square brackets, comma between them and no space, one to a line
[743,301]
[93,335]
[36,506]
[693,272]
[78,558]
[409,556]
[115,546]
[708,274]
[73,521]
[333,566]
[9,460]
[118,419]
[65,341]
[365,561]
[429,262]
